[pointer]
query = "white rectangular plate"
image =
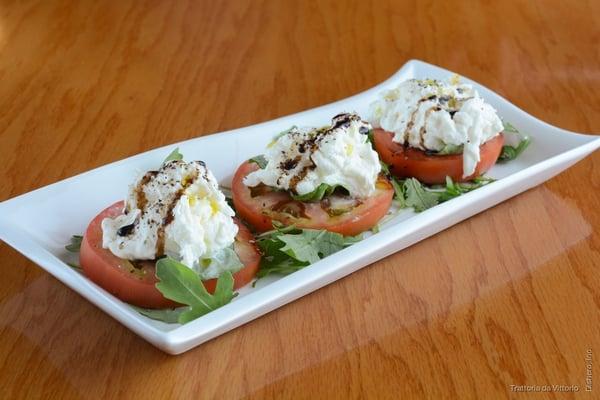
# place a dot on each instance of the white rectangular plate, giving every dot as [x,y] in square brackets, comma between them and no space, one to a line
[39,223]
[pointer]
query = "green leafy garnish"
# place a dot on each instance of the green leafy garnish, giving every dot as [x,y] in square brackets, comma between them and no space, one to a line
[399,194]
[179,283]
[454,189]
[449,149]
[412,193]
[168,315]
[323,190]
[370,138]
[225,260]
[74,266]
[311,245]
[508,127]
[288,249]
[75,244]
[417,196]
[385,169]
[260,160]
[175,155]
[397,184]
[509,153]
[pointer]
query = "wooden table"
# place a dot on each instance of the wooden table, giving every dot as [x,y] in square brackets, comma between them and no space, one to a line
[509,297]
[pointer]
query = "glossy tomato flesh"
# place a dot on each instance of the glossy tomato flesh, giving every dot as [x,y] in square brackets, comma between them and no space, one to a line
[262,205]
[406,162]
[134,283]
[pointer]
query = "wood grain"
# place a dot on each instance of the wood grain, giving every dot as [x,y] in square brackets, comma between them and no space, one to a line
[509,297]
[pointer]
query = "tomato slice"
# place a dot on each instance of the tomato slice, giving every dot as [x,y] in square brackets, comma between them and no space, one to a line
[406,162]
[261,205]
[134,282]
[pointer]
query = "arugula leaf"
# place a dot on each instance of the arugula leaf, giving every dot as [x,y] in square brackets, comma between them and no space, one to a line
[302,247]
[370,138]
[518,143]
[412,193]
[399,194]
[289,249]
[332,242]
[482,180]
[274,260]
[510,153]
[311,245]
[225,260]
[449,149]
[278,227]
[422,197]
[323,190]
[168,315]
[174,155]
[385,169]
[74,266]
[179,283]
[397,184]
[260,160]
[508,127]
[454,189]
[279,266]
[75,244]
[417,197]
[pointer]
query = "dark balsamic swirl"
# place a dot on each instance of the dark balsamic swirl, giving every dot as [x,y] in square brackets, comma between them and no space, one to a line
[311,143]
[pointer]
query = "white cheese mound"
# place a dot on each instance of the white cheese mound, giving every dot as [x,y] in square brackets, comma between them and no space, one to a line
[177,211]
[431,115]
[338,155]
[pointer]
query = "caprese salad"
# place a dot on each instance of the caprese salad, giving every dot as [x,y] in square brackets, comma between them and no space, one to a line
[174,224]
[176,249]
[318,178]
[429,130]
[436,140]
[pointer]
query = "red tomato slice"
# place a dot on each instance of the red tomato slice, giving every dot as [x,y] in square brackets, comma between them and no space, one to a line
[406,162]
[262,205]
[135,284]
